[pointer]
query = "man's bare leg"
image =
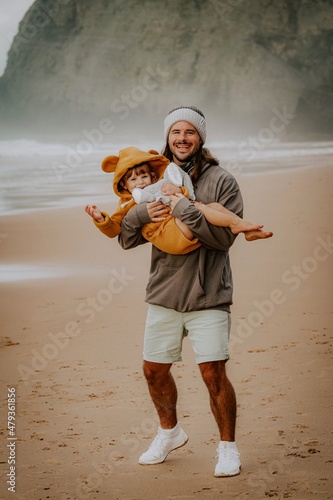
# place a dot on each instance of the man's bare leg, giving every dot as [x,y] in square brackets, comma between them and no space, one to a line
[222,398]
[223,405]
[163,392]
[170,435]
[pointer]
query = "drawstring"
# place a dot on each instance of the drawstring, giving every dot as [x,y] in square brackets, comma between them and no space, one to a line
[123,205]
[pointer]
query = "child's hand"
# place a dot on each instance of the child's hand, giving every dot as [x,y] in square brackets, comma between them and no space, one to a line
[174,199]
[168,189]
[95,213]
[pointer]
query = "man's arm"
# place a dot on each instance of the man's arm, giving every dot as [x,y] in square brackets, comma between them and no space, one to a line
[130,236]
[224,190]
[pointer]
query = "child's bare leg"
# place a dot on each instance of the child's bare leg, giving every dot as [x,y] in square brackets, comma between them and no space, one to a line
[220,216]
[184,229]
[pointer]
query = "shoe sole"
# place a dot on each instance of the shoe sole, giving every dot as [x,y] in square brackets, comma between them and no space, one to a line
[229,475]
[161,461]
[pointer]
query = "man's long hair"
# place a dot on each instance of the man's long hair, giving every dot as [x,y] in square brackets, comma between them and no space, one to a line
[203,156]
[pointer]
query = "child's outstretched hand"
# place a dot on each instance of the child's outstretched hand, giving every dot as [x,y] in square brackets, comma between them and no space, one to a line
[95,213]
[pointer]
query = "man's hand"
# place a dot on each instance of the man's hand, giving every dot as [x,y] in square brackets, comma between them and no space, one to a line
[157,211]
[175,199]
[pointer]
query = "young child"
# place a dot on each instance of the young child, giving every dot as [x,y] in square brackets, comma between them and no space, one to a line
[135,169]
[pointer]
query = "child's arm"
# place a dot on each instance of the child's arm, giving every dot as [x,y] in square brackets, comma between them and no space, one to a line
[108,225]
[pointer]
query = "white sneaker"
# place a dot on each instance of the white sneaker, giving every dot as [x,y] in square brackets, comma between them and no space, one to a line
[162,445]
[229,460]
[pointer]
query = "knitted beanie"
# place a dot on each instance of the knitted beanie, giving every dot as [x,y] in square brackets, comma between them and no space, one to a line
[188,114]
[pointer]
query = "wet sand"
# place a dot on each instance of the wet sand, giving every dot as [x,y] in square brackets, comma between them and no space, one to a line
[71,340]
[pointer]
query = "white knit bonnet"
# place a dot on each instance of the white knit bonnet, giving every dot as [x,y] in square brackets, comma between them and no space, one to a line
[188,114]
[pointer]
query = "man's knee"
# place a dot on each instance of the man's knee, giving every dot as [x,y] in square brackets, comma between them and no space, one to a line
[213,373]
[155,371]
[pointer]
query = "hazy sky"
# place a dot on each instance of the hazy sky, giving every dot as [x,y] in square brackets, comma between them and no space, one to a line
[12,11]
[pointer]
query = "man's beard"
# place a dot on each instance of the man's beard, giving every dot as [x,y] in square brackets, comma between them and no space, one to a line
[188,158]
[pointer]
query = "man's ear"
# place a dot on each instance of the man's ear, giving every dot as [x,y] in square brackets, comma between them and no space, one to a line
[109,163]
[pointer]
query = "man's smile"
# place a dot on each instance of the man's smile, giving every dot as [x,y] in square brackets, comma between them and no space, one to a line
[183,146]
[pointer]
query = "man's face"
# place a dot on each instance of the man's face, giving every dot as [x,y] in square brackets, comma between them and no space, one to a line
[184,142]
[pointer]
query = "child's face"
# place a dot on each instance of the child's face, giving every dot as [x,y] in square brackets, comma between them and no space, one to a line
[138,180]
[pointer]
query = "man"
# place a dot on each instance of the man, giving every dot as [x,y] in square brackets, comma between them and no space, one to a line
[189,295]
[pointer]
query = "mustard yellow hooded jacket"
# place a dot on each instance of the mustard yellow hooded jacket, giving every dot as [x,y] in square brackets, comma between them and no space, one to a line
[164,235]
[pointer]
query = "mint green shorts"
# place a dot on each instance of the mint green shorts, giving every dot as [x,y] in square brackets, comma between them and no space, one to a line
[208,331]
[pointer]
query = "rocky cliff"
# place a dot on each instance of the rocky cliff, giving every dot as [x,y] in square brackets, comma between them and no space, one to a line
[117,63]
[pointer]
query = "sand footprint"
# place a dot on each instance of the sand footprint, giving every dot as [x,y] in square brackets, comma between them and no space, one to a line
[7,342]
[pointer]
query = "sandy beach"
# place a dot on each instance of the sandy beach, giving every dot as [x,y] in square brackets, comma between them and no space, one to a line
[72,326]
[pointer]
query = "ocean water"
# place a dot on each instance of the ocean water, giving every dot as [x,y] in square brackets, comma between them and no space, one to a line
[37,176]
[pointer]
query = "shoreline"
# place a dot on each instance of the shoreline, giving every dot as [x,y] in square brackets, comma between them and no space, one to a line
[110,200]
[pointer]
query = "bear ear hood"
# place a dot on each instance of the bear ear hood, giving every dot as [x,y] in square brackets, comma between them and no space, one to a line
[109,163]
[128,158]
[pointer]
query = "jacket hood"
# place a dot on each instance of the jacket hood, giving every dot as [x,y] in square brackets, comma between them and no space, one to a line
[128,158]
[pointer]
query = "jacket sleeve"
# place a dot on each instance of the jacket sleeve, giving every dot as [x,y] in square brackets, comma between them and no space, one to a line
[131,236]
[210,236]
[111,226]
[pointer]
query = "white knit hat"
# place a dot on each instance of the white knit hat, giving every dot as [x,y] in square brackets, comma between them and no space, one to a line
[188,114]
